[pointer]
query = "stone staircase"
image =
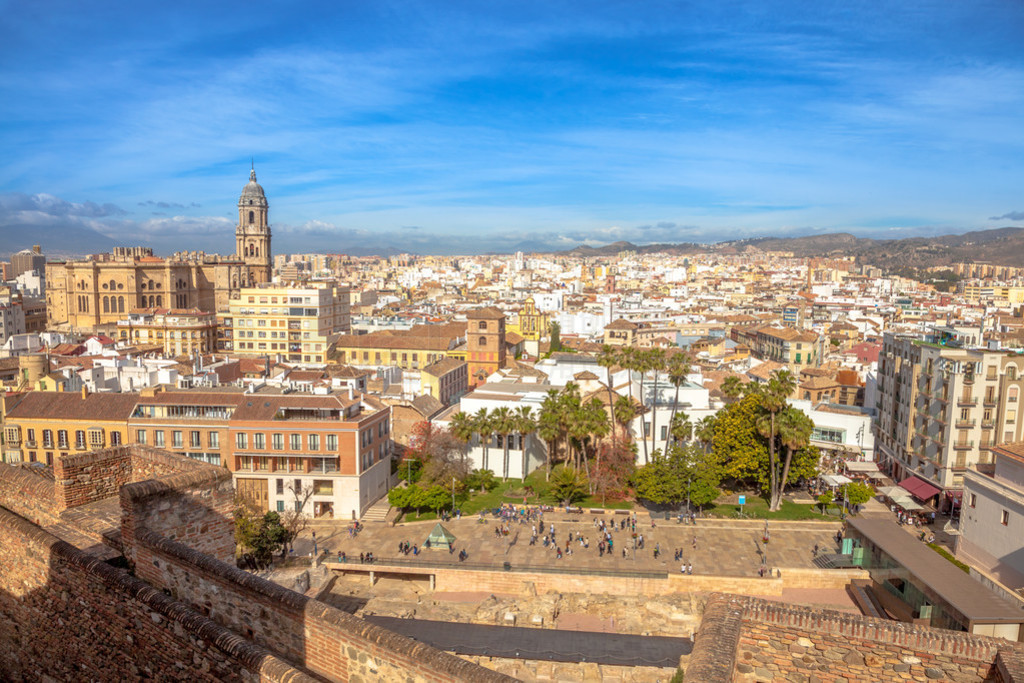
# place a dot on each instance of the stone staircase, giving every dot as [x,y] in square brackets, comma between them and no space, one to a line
[378,512]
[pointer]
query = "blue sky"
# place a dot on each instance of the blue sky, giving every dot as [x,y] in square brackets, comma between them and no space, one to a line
[460,127]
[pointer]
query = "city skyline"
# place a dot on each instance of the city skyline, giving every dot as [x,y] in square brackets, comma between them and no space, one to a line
[456,129]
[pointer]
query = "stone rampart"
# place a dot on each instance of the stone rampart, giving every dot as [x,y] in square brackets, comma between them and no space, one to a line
[65,615]
[27,494]
[746,639]
[325,640]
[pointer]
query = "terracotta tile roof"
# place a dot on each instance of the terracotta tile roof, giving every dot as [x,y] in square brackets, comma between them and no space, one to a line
[443,366]
[485,313]
[60,405]
[621,324]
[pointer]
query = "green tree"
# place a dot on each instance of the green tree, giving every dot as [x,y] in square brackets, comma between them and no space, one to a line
[655,482]
[555,332]
[625,411]
[461,425]
[825,500]
[654,361]
[732,387]
[858,493]
[258,536]
[437,498]
[550,427]
[795,434]
[568,485]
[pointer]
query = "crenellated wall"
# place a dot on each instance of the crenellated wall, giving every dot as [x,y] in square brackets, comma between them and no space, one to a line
[65,615]
[746,639]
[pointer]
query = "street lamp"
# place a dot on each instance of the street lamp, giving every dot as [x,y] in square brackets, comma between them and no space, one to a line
[408,470]
[453,495]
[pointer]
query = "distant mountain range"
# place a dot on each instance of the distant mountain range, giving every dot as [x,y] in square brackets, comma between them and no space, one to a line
[1000,246]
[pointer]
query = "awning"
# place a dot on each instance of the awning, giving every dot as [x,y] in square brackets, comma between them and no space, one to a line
[956,496]
[862,467]
[908,505]
[835,479]
[919,488]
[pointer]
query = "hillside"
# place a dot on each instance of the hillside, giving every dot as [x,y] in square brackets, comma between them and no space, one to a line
[1000,246]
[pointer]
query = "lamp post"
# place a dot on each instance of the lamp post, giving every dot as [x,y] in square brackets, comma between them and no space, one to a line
[408,470]
[453,495]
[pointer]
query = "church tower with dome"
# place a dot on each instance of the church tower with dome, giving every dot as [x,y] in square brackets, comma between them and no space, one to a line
[252,236]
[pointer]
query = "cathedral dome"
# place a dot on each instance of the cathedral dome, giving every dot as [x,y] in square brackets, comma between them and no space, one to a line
[252,193]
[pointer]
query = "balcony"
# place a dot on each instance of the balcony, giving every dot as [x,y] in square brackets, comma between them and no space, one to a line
[965,424]
[987,424]
[990,402]
[967,401]
[963,445]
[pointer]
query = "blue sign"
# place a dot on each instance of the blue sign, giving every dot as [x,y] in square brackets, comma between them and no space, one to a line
[743,500]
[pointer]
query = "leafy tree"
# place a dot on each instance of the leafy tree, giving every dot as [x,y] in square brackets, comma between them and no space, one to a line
[687,472]
[399,497]
[568,484]
[437,498]
[825,499]
[481,480]
[441,453]
[858,493]
[257,536]
[555,332]
[735,439]
[613,468]
[656,482]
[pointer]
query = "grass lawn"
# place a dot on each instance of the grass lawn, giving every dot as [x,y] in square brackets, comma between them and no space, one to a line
[757,507]
[492,499]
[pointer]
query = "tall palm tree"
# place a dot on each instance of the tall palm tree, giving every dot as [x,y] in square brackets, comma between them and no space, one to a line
[485,428]
[795,429]
[525,425]
[549,426]
[462,428]
[655,362]
[772,396]
[625,412]
[678,368]
[598,425]
[503,427]
[606,359]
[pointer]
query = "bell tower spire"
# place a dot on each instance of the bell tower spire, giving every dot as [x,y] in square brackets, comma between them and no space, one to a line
[252,236]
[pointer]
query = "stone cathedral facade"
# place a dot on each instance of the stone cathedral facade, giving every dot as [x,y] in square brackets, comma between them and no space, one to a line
[94,293]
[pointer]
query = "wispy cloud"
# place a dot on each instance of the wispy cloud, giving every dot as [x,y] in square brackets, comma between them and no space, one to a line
[1009,216]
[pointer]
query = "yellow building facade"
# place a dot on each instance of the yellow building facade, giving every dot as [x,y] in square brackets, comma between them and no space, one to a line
[180,332]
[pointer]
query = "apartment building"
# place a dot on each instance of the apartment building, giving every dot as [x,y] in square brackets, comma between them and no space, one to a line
[181,332]
[447,380]
[942,408]
[796,349]
[41,425]
[327,454]
[293,324]
[411,349]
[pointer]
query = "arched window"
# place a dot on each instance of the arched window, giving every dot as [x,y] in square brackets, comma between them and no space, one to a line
[1011,372]
[482,325]
[120,304]
[252,217]
[1012,396]
[159,301]
[152,301]
[113,285]
[482,341]
[106,304]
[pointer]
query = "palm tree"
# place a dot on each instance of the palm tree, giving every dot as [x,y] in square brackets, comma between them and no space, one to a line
[655,361]
[598,425]
[773,397]
[525,425]
[462,428]
[678,369]
[549,426]
[503,427]
[681,428]
[485,428]
[795,429]
[705,431]
[606,359]
[732,387]
[625,412]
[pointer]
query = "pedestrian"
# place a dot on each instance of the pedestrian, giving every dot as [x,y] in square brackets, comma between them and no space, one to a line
[558,552]
[694,543]
[362,558]
[815,550]
[689,568]
[623,552]
[682,568]
[600,549]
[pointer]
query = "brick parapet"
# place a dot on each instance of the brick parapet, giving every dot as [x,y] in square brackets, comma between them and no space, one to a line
[113,626]
[194,508]
[713,658]
[322,638]
[27,494]
[743,639]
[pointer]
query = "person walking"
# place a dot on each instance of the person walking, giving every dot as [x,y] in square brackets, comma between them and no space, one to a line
[689,567]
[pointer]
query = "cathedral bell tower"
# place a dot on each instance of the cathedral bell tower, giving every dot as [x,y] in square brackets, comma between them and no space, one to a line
[252,236]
